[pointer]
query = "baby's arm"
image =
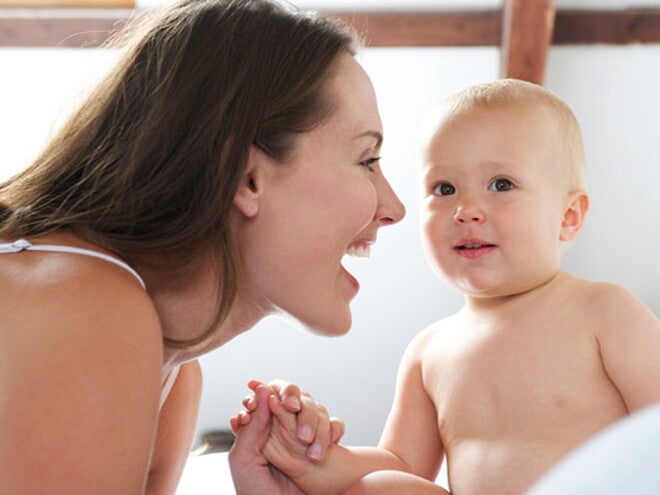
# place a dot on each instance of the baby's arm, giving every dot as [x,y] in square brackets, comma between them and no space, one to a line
[411,431]
[410,443]
[340,468]
[628,335]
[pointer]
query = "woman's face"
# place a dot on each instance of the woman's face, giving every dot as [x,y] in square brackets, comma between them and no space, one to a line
[330,197]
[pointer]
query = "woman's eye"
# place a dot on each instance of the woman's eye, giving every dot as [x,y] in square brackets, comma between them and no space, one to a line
[444,189]
[369,162]
[499,185]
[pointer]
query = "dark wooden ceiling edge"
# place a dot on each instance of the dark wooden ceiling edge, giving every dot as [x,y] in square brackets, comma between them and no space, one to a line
[379,29]
[617,27]
[451,28]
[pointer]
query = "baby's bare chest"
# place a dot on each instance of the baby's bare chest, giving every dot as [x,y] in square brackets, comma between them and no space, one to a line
[535,385]
[510,406]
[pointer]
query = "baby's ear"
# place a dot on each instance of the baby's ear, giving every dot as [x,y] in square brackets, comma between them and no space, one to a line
[251,186]
[574,213]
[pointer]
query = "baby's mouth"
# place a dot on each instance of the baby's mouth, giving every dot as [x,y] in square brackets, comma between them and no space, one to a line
[462,247]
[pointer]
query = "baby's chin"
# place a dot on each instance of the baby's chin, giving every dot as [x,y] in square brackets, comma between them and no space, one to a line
[506,291]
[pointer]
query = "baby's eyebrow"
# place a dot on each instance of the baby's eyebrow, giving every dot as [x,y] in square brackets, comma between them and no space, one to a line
[374,134]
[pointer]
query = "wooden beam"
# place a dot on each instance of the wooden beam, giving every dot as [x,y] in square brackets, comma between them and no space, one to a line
[618,27]
[69,4]
[90,28]
[59,27]
[527,27]
[473,28]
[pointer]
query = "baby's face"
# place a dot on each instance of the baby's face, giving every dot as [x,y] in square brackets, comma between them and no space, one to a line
[493,199]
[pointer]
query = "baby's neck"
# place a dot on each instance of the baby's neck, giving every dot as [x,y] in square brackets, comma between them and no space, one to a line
[491,306]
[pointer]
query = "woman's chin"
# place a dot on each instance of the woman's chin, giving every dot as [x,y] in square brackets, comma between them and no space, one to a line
[325,325]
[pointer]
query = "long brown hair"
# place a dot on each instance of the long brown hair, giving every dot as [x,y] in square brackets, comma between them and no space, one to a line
[148,166]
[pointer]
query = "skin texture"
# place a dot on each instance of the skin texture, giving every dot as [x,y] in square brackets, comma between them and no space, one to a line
[536,362]
[81,343]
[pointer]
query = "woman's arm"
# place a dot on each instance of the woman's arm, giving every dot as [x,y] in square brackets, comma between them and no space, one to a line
[80,366]
[251,472]
[176,430]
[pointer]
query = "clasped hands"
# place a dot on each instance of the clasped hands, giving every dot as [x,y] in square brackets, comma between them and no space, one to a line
[281,430]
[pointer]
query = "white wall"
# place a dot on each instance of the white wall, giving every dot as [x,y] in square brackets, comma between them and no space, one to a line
[614,93]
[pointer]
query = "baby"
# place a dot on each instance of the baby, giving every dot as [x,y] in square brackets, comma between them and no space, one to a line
[537,360]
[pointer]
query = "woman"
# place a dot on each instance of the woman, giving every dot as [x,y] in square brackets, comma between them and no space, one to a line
[217,175]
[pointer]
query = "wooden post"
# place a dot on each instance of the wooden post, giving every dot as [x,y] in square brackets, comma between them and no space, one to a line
[527,27]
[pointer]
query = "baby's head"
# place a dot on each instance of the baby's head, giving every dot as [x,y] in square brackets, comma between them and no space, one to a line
[508,93]
[503,178]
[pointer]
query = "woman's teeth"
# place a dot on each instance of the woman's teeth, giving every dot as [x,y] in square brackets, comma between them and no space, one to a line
[359,251]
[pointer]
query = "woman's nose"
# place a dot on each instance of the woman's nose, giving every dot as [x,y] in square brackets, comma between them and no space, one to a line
[390,209]
[468,214]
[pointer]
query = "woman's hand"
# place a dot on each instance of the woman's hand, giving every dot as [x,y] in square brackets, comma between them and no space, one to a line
[251,472]
[308,425]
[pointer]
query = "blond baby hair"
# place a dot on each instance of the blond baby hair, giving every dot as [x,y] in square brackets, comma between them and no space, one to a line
[506,91]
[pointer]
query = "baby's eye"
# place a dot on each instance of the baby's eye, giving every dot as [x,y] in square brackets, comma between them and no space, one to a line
[499,185]
[369,162]
[443,189]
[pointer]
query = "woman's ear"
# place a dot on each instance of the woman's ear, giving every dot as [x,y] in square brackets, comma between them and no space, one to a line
[576,210]
[251,186]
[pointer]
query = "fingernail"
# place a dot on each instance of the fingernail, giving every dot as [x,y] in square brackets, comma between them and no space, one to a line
[315,451]
[305,433]
[293,402]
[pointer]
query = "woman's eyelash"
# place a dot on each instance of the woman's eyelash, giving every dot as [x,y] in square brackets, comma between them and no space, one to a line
[369,162]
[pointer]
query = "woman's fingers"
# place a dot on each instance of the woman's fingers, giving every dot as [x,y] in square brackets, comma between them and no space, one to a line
[289,394]
[300,419]
[253,427]
[322,437]
[287,420]
[250,403]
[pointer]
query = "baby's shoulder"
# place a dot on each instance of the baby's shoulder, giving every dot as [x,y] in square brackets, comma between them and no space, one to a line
[601,297]
[434,334]
[608,305]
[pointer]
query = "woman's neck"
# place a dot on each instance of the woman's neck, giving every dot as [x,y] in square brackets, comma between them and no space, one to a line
[187,306]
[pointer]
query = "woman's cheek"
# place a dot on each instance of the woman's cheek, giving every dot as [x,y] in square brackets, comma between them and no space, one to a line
[367,203]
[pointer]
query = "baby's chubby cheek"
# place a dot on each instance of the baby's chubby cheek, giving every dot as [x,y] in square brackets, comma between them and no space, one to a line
[432,241]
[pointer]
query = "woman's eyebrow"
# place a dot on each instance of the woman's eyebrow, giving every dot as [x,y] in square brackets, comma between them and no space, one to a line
[374,134]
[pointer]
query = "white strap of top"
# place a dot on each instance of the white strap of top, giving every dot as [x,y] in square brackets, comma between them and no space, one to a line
[167,386]
[23,244]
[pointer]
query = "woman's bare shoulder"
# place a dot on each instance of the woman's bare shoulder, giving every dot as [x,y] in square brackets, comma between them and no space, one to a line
[43,290]
[81,349]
